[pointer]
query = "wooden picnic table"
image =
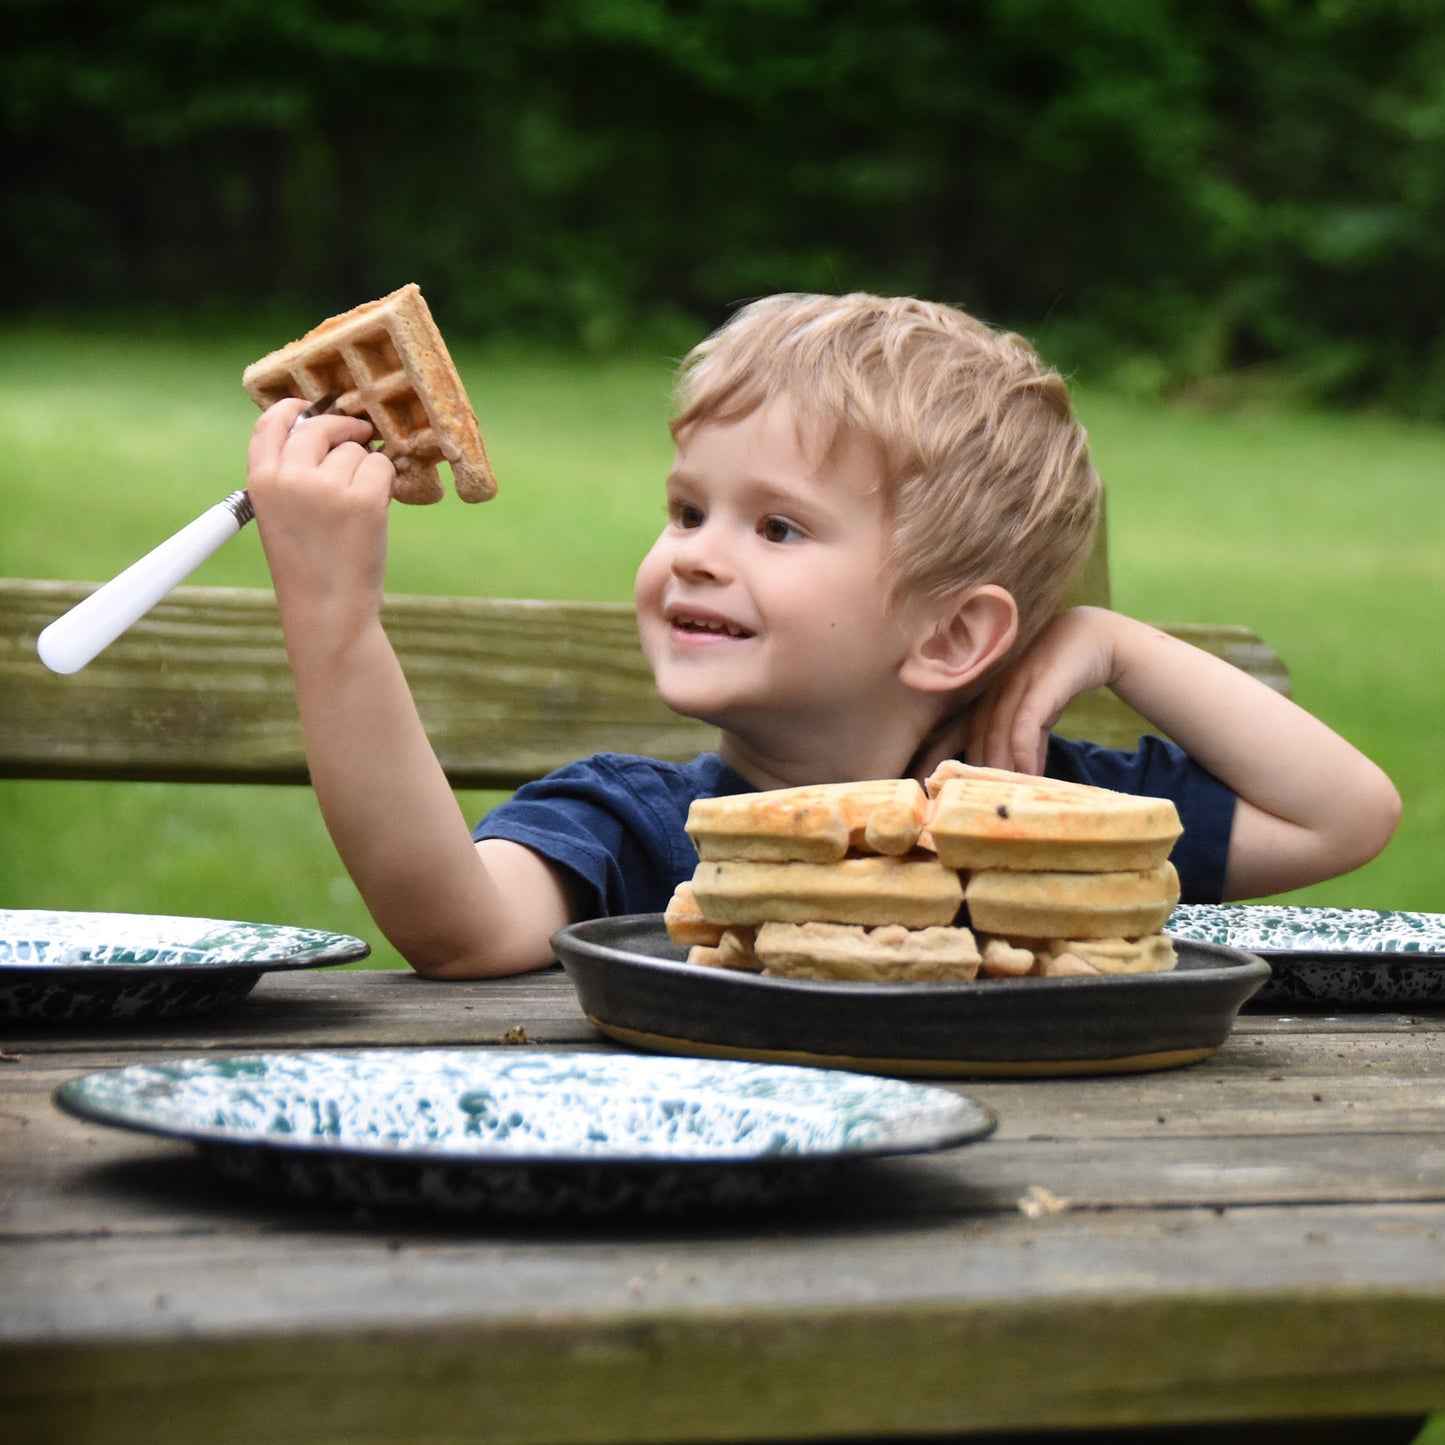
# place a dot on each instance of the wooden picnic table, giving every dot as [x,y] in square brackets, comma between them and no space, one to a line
[1259,1236]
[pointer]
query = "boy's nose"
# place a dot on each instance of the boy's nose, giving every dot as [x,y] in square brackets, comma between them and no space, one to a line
[700,553]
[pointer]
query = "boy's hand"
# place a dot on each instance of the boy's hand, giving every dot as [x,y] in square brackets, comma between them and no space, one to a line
[1009,725]
[321,498]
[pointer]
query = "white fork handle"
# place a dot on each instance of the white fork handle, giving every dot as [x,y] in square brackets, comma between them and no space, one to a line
[92,625]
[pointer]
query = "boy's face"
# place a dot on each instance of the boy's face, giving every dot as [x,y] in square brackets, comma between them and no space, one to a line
[762,603]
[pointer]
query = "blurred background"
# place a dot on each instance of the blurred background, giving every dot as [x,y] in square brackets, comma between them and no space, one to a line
[1165,193]
[1224,222]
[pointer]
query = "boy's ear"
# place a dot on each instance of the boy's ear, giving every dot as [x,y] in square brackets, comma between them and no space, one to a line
[962,642]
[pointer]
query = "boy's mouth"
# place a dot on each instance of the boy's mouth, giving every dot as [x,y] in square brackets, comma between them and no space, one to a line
[702,625]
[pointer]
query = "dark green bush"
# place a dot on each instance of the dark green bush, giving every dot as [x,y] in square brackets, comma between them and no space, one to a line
[1169,192]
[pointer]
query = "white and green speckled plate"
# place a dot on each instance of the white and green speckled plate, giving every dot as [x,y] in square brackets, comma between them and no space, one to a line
[524,1133]
[71,968]
[1353,956]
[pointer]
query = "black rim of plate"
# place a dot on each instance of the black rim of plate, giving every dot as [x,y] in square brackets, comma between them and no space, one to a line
[70,992]
[638,989]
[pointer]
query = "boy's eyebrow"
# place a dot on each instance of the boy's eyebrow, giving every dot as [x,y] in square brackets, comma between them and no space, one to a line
[785,488]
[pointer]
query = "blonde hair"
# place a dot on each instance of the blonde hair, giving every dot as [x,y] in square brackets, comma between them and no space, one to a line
[985,472]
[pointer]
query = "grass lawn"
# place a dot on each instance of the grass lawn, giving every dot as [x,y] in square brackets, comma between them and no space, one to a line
[1319,531]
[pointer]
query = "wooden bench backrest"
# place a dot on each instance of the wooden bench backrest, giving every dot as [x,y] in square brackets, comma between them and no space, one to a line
[199,690]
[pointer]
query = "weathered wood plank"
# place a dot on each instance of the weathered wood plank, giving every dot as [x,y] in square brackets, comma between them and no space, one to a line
[1232,1107]
[82,1180]
[1363,1114]
[384,1337]
[1234,1096]
[1256,1236]
[1290,1084]
[1266,1018]
[340,1007]
[199,689]
[368,1006]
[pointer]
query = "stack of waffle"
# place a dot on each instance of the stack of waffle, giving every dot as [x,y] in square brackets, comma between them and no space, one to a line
[386,361]
[978,873]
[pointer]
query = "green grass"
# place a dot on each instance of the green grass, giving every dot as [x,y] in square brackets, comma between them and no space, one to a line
[1319,531]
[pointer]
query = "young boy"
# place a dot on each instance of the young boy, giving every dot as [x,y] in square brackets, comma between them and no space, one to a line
[875,510]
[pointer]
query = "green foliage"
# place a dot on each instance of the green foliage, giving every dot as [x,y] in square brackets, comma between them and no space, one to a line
[1177,192]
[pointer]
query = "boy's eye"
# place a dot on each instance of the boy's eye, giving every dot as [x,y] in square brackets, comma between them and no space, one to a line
[685,515]
[778,529]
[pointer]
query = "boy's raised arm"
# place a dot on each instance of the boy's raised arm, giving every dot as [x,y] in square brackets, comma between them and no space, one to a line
[451,908]
[1310,805]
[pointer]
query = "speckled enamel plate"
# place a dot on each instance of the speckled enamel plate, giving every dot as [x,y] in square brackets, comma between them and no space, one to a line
[637,988]
[1351,956]
[74,968]
[523,1132]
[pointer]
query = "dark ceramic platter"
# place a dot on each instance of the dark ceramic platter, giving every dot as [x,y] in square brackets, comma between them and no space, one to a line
[522,1133]
[86,968]
[1352,957]
[636,987]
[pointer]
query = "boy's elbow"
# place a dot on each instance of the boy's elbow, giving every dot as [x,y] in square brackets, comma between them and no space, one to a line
[1270,855]
[1368,823]
[441,968]
[1380,818]
[452,966]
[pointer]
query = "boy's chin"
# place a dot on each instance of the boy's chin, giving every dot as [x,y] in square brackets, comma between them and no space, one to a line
[688,705]
[712,708]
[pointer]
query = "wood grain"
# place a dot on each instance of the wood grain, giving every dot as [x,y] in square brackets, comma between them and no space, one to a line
[1255,1237]
[199,690]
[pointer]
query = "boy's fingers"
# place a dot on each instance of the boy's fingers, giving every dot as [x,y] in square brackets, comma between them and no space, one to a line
[1007,733]
[272,428]
[359,465]
[310,439]
[282,427]
[1030,743]
[980,745]
[376,474]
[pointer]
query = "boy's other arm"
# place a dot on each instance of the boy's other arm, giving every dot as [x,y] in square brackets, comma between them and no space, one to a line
[1310,805]
[452,908]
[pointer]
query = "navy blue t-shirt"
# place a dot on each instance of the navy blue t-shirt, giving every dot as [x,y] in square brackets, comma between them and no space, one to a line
[614,822]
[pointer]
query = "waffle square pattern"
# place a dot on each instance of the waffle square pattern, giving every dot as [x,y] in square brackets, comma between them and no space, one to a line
[386,360]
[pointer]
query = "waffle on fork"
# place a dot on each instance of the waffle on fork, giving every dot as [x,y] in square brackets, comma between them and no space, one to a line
[385,360]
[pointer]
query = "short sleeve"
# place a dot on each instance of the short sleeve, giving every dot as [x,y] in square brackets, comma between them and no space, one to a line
[615,824]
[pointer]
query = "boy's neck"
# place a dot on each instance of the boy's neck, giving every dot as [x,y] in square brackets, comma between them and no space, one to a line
[945,741]
[845,760]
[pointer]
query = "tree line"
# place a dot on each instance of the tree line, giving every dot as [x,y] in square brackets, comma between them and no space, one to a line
[1169,192]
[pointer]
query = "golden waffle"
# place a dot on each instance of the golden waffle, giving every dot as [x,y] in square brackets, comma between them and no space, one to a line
[818,823]
[1003,958]
[916,893]
[951,768]
[1021,905]
[867,955]
[1063,958]
[733,949]
[684,922]
[984,818]
[386,361]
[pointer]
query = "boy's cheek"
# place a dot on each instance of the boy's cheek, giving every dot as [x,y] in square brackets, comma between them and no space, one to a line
[648,587]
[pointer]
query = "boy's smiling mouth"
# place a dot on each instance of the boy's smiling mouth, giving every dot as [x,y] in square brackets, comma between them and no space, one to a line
[703,624]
